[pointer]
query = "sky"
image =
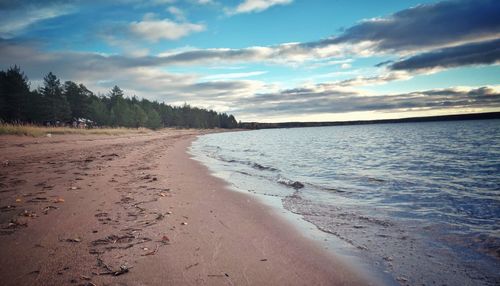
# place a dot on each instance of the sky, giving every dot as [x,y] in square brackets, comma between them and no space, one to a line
[268,60]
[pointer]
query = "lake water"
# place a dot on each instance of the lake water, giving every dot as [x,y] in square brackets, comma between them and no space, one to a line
[419,202]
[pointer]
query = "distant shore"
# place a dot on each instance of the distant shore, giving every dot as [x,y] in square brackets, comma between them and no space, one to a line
[453,117]
[134,209]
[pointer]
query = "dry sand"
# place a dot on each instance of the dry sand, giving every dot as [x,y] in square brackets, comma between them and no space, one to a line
[75,210]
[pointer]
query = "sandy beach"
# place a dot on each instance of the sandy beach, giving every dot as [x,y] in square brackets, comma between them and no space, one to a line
[136,210]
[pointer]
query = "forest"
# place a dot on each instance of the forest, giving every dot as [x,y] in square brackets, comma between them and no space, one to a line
[57,104]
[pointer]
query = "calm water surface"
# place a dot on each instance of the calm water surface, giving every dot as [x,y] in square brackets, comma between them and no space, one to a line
[420,201]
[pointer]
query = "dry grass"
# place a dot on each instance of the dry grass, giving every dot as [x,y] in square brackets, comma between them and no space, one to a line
[38,131]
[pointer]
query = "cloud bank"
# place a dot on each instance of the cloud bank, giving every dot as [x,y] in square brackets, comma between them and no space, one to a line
[332,99]
[482,53]
[429,26]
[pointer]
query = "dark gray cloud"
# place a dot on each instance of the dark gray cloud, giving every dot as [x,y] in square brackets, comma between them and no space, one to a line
[470,54]
[35,62]
[213,55]
[340,101]
[28,54]
[430,25]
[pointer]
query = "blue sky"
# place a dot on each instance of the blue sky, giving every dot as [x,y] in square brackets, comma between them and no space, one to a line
[268,60]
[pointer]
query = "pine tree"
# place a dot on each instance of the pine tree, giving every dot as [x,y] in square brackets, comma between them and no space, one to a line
[232,123]
[115,95]
[154,120]
[140,117]
[78,97]
[122,114]
[57,106]
[98,112]
[14,94]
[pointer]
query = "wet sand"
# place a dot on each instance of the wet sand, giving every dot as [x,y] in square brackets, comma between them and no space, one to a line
[136,210]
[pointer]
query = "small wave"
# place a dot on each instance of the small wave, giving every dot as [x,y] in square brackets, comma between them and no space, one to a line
[223,159]
[290,183]
[376,180]
[254,165]
[261,167]
[327,188]
[334,190]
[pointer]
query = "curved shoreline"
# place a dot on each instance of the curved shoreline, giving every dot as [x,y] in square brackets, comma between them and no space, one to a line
[141,202]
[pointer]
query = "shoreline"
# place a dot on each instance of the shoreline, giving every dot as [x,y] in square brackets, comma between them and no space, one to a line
[397,248]
[335,246]
[162,217]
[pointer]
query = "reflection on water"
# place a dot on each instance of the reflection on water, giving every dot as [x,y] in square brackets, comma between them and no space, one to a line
[420,199]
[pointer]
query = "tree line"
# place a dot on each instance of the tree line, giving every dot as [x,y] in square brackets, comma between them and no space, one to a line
[59,103]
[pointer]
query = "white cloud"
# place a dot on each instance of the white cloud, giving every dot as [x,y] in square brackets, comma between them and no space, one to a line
[234,75]
[379,79]
[177,13]
[249,6]
[290,54]
[345,66]
[156,29]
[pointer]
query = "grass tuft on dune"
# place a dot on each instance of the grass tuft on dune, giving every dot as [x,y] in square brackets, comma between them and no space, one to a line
[39,131]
